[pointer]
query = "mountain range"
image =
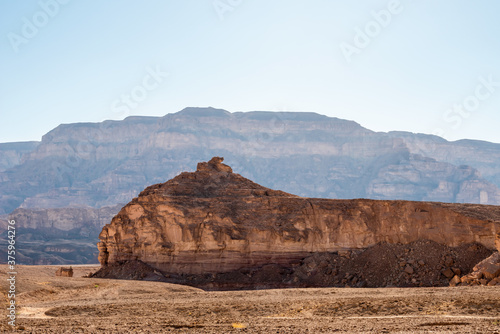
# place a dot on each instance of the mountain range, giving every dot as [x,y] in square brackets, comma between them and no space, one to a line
[94,166]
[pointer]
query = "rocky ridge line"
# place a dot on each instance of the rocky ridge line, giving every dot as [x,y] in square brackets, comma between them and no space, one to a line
[486,272]
[215,222]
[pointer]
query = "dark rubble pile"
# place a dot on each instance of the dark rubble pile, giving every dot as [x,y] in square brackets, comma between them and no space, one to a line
[486,272]
[418,264]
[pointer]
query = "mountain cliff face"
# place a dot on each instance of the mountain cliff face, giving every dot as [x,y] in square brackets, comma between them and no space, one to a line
[103,164]
[57,236]
[215,221]
[11,154]
[99,165]
[483,156]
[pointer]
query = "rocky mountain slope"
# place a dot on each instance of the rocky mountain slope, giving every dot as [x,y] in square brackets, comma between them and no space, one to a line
[11,153]
[57,236]
[98,165]
[215,221]
[103,164]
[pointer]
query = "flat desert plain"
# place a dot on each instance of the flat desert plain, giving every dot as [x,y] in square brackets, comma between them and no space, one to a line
[49,304]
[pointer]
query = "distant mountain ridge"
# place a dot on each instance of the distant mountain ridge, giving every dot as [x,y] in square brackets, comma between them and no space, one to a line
[11,153]
[62,190]
[104,164]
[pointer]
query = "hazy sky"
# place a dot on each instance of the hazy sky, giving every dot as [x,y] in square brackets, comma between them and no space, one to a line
[420,66]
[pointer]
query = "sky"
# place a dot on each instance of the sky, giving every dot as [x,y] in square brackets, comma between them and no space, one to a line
[420,66]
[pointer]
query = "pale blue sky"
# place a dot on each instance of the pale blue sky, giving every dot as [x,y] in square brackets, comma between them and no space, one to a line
[277,55]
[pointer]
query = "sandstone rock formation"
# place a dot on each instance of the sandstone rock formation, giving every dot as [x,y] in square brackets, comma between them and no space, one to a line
[64,272]
[497,241]
[216,221]
[486,272]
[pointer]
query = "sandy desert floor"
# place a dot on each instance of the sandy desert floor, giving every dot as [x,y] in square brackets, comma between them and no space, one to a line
[50,304]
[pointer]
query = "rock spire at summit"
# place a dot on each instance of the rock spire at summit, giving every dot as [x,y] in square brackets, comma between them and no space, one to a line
[215,164]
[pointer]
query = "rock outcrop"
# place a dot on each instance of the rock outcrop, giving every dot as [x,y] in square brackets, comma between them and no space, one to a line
[216,221]
[64,272]
[486,272]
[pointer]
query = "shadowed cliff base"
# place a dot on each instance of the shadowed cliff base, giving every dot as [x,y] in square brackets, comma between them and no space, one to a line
[418,264]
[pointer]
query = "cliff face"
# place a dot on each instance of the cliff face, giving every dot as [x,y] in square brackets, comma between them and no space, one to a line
[214,220]
[63,219]
[103,164]
[483,156]
[11,154]
[57,236]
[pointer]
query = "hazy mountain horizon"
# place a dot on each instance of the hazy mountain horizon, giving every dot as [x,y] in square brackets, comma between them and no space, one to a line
[305,153]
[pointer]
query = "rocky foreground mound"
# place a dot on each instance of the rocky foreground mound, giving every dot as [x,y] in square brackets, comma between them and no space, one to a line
[216,229]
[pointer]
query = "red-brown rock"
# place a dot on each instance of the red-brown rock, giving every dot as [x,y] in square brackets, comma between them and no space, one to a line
[448,273]
[484,271]
[455,280]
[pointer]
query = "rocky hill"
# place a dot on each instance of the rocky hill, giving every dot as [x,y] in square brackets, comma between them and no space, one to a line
[214,221]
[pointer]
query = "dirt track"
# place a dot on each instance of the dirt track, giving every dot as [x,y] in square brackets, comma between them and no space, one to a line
[51,304]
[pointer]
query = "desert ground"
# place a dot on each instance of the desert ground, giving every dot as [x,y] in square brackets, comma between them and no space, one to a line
[49,304]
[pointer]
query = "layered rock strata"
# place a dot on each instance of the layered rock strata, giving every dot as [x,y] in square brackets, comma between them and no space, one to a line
[58,235]
[104,164]
[216,221]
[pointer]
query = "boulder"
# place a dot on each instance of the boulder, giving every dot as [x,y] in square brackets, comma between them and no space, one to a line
[409,270]
[484,272]
[455,280]
[490,267]
[65,272]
